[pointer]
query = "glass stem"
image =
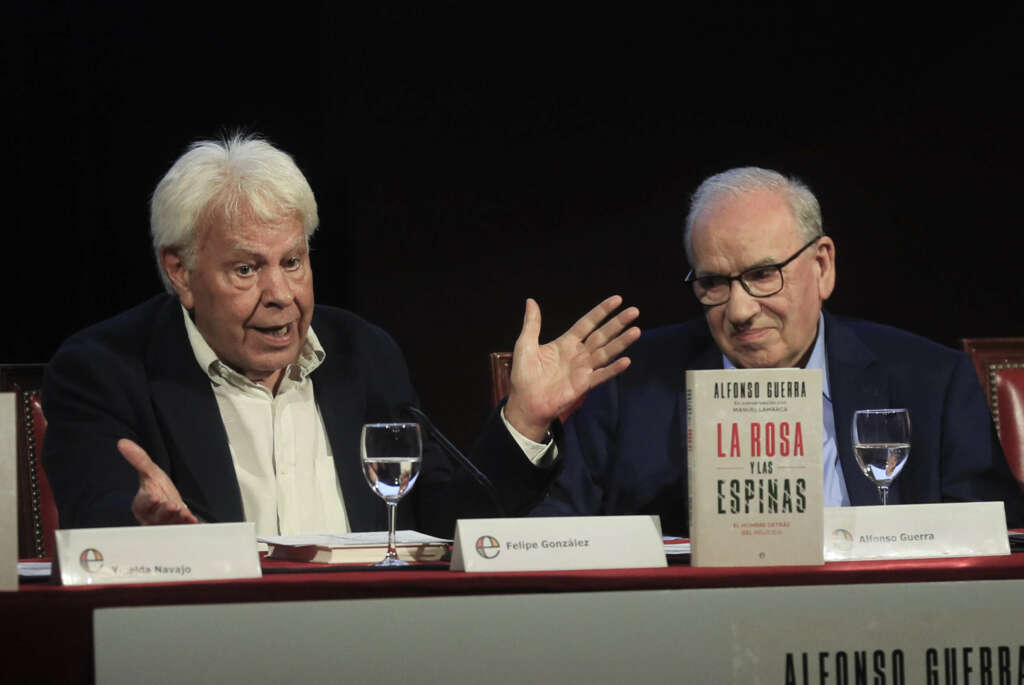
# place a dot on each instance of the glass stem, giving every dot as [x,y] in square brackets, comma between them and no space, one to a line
[392,552]
[883,491]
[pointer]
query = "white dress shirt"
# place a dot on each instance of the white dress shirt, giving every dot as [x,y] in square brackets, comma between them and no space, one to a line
[835,494]
[278,443]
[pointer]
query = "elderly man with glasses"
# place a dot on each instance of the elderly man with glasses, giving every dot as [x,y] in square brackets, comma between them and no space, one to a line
[762,267]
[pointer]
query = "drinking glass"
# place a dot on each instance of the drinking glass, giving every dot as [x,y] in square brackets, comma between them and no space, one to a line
[881,443]
[391,454]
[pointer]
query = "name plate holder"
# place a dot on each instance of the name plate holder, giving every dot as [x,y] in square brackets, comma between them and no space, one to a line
[559,543]
[916,531]
[157,554]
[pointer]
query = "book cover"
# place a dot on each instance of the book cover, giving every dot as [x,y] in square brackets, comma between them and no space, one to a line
[754,455]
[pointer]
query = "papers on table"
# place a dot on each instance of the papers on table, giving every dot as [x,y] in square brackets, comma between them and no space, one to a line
[676,546]
[402,537]
[34,569]
[356,548]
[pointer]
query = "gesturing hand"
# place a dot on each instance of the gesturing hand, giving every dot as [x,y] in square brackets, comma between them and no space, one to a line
[548,379]
[157,502]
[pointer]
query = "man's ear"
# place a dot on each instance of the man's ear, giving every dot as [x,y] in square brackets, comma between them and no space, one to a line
[825,261]
[174,266]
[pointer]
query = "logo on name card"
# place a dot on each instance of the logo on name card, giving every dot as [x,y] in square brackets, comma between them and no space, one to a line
[842,540]
[91,560]
[487,546]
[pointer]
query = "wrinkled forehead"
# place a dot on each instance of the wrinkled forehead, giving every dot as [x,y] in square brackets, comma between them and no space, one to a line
[241,224]
[742,230]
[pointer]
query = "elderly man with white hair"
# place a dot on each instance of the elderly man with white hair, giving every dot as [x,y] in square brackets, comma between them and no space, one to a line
[234,397]
[762,269]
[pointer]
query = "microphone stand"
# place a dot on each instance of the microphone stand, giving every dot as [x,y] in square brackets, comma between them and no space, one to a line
[455,455]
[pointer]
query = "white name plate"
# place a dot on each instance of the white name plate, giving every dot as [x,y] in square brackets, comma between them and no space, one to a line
[558,543]
[157,554]
[915,531]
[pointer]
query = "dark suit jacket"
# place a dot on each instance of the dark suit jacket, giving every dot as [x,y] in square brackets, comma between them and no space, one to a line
[135,376]
[624,450]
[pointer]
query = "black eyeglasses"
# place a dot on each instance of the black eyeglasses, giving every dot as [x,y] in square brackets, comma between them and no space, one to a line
[759,281]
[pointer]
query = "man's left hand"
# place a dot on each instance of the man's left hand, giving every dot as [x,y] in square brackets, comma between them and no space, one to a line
[157,502]
[549,379]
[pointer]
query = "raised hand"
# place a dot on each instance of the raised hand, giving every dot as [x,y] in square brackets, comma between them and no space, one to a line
[548,379]
[157,502]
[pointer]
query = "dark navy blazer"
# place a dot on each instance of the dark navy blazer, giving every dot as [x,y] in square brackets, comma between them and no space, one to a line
[624,450]
[135,376]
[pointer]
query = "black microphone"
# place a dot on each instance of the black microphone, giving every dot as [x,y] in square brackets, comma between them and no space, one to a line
[453,452]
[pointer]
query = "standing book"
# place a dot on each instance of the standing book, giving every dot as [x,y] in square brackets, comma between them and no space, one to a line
[754,455]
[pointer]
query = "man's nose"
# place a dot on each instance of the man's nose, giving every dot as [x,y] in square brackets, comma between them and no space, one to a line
[277,291]
[742,306]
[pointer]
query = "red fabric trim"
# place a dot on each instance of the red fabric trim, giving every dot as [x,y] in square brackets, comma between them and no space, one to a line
[64,614]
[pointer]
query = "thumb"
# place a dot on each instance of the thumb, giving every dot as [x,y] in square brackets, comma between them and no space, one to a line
[137,457]
[530,332]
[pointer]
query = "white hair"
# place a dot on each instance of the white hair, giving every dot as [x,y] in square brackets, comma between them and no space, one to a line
[230,180]
[802,203]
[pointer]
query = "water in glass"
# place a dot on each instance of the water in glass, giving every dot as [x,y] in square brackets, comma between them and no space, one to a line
[391,454]
[881,444]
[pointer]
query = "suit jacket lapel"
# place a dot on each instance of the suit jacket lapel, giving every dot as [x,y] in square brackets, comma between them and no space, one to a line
[709,358]
[342,402]
[194,435]
[858,382]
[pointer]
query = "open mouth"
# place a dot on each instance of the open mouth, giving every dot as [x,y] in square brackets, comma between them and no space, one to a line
[275,331]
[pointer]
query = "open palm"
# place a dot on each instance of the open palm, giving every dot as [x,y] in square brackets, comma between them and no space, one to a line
[549,379]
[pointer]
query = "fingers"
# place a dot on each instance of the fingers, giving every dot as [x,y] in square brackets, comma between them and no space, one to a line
[156,511]
[137,457]
[584,329]
[602,346]
[180,513]
[181,516]
[610,340]
[612,331]
[157,502]
[605,347]
[592,319]
[599,376]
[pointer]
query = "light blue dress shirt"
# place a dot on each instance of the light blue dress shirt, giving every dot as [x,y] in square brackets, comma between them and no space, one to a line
[835,487]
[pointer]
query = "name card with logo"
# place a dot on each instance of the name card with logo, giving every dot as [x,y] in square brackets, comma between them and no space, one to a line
[157,554]
[915,531]
[558,544]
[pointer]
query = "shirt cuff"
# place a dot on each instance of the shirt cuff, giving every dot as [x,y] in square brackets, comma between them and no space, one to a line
[536,452]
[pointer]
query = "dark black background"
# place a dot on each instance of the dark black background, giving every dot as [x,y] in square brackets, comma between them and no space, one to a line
[466,158]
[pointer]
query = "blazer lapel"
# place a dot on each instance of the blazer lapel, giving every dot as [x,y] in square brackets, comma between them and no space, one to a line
[857,382]
[709,358]
[342,402]
[194,435]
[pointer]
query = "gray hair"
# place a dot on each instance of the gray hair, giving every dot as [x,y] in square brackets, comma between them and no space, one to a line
[802,203]
[232,179]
